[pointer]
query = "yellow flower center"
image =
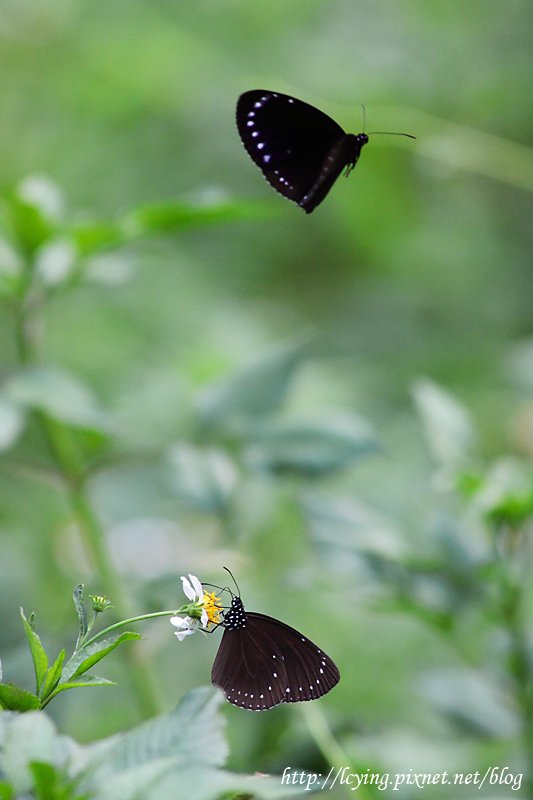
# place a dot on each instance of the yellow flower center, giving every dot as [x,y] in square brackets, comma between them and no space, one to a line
[212,607]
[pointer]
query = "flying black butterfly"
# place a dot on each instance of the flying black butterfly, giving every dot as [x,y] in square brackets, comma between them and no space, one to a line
[262,662]
[299,149]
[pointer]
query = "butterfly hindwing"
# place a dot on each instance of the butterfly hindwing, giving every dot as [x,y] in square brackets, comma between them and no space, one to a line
[300,150]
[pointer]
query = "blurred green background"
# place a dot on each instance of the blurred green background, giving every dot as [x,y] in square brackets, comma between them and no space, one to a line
[418,266]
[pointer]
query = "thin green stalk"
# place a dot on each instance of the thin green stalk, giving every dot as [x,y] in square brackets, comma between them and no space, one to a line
[335,755]
[70,463]
[514,618]
[122,623]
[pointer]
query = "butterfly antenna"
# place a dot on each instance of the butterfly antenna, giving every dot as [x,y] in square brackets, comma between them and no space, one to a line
[233,579]
[364,117]
[391,133]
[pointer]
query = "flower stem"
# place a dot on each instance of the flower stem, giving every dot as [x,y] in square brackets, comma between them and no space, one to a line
[129,621]
[70,463]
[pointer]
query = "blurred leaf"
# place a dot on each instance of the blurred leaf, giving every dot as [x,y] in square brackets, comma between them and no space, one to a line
[174,216]
[311,447]
[448,428]
[25,739]
[55,261]
[38,653]
[11,269]
[12,420]
[91,654]
[32,212]
[95,236]
[473,702]
[58,394]
[184,748]
[51,783]
[505,494]
[191,735]
[347,533]
[255,391]
[6,791]
[205,479]
[14,698]
[109,269]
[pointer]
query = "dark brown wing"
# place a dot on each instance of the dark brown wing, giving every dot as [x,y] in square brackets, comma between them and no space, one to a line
[268,662]
[295,145]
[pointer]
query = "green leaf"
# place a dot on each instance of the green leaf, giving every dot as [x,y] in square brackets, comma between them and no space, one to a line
[38,653]
[256,391]
[51,783]
[189,736]
[6,791]
[447,424]
[12,421]
[87,681]
[29,738]
[178,215]
[52,676]
[311,447]
[11,269]
[58,394]
[28,225]
[205,479]
[12,698]
[96,236]
[81,611]
[91,654]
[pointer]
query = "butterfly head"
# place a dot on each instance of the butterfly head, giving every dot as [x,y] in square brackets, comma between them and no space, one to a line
[235,617]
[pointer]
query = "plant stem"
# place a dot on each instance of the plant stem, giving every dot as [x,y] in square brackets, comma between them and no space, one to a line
[70,463]
[335,754]
[122,623]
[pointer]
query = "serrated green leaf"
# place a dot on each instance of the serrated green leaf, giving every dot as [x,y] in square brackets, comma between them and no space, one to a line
[87,681]
[191,735]
[58,394]
[52,676]
[91,654]
[12,698]
[27,738]
[38,653]
[81,611]
[313,447]
[255,391]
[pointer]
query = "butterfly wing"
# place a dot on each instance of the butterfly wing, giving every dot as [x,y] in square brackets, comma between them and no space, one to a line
[268,662]
[300,150]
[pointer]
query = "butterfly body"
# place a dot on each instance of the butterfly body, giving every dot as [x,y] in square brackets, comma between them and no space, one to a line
[262,662]
[300,150]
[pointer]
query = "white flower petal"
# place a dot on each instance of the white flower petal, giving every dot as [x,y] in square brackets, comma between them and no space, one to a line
[182,634]
[204,619]
[187,588]
[178,621]
[198,588]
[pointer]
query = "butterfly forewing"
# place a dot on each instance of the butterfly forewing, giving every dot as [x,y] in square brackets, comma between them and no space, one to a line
[300,150]
[262,662]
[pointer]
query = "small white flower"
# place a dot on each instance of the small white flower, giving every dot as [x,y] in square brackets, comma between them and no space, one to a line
[185,626]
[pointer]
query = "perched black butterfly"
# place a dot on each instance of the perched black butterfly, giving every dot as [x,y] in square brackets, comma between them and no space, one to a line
[300,150]
[262,662]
